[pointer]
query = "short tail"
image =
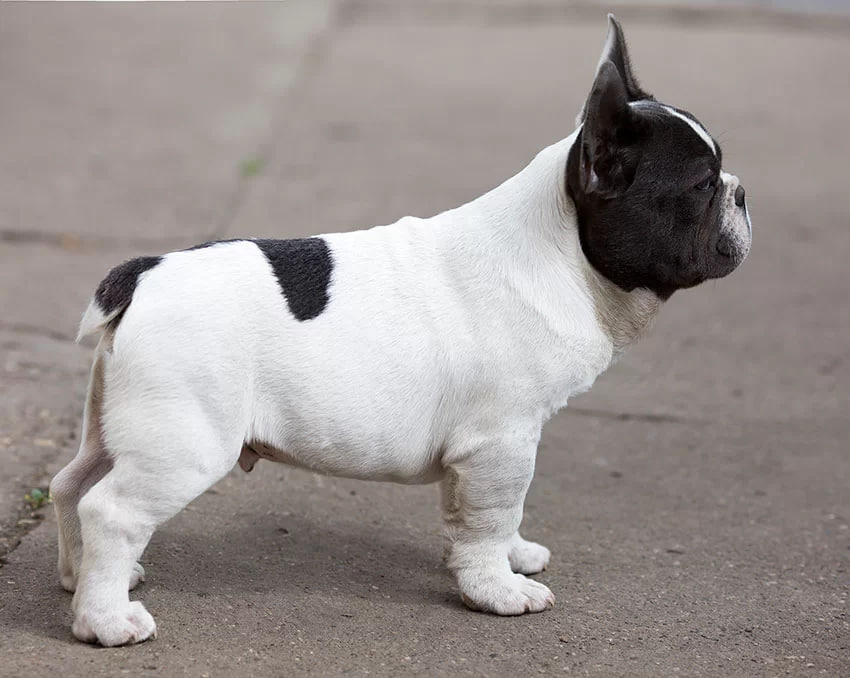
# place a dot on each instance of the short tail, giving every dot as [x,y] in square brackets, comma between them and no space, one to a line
[113,296]
[95,321]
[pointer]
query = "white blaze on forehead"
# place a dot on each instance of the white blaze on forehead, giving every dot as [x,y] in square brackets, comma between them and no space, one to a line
[695,126]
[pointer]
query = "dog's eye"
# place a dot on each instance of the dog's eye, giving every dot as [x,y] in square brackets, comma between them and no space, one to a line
[706,184]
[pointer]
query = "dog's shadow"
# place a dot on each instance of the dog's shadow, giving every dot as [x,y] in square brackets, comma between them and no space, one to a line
[203,565]
[275,554]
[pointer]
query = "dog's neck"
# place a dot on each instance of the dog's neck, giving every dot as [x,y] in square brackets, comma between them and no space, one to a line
[531,223]
[624,316]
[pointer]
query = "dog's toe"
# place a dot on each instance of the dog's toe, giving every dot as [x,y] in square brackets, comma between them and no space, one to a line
[131,625]
[528,557]
[504,593]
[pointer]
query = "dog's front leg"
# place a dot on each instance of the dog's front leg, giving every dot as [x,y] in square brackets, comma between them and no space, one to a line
[483,493]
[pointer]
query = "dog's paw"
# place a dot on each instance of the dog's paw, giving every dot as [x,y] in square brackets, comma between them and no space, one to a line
[133,624]
[138,575]
[68,581]
[528,557]
[503,593]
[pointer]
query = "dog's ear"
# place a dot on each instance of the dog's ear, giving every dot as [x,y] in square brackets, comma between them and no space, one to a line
[608,152]
[617,53]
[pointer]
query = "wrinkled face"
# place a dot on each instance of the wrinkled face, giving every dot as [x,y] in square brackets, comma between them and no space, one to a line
[680,221]
[654,207]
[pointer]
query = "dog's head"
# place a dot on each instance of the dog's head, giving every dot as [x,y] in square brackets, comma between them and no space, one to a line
[654,207]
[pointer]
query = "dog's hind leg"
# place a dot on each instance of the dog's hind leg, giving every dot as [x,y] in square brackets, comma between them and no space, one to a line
[67,488]
[161,461]
[74,480]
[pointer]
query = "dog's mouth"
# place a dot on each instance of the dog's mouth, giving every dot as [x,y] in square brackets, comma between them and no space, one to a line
[727,256]
[733,242]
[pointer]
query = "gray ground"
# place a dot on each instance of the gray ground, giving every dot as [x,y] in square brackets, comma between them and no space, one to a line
[696,501]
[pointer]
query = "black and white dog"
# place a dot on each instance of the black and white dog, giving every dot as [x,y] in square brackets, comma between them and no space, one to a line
[431,349]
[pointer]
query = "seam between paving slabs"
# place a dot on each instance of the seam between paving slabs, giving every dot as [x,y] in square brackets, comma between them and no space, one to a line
[308,65]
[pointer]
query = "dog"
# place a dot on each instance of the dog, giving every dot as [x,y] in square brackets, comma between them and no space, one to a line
[423,351]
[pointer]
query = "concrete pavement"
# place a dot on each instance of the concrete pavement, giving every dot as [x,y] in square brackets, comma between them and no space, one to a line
[696,500]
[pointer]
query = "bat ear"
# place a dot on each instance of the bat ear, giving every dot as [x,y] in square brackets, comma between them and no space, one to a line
[616,52]
[608,158]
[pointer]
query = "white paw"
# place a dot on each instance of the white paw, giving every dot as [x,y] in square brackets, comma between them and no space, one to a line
[503,593]
[130,625]
[528,557]
[68,581]
[138,575]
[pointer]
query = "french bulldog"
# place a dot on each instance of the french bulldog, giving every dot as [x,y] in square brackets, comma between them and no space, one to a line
[423,351]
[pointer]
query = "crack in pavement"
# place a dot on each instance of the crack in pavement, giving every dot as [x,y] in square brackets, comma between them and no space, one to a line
[308,66]
[22,518]
[633,416]
[25,521]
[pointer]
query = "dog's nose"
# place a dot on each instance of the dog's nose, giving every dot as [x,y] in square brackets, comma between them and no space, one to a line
[739,196]
[724,247]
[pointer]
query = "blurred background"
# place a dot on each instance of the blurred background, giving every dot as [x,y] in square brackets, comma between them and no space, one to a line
[696,501]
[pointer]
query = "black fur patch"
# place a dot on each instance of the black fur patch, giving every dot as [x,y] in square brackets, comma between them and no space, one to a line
[115,291]
[303,268]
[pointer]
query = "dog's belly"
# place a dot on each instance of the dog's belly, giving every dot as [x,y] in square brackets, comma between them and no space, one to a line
[340,464]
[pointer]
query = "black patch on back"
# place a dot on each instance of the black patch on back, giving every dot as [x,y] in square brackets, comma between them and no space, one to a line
[303,268]
[115,291]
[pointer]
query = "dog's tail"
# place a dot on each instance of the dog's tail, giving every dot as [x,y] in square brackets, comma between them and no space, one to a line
[113,296]
[94,321]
